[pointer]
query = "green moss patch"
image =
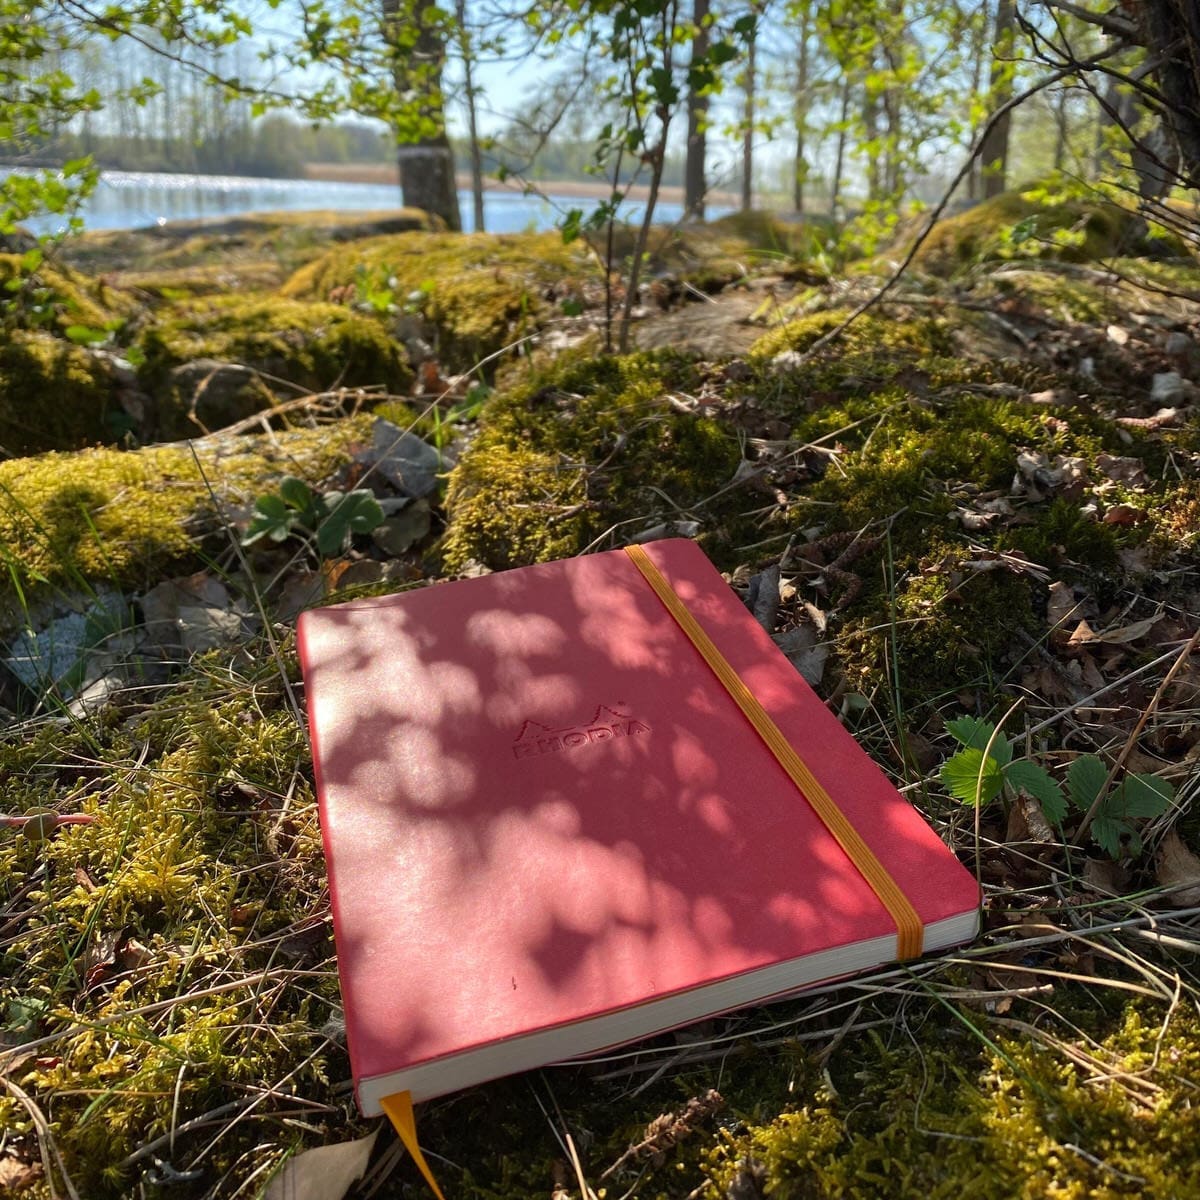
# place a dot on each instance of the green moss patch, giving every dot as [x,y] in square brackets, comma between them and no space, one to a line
[124,518]
[57,298]
[579,450]
[481,291]
[1023,225]
[943,1112]
[312,347]
[54,395]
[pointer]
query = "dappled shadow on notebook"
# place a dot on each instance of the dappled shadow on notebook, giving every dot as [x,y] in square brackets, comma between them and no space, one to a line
[533,787]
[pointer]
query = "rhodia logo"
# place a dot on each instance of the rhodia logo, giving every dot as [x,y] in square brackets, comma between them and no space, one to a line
[606,725]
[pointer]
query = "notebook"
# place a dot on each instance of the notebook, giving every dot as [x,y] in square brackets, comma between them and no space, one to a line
[560,811]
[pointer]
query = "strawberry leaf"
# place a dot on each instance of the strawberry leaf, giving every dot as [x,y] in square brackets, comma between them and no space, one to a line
[970,776]
[1085,778]
[1036,781]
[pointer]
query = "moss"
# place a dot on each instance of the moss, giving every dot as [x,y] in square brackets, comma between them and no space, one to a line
[54,395]
[870,334]
[310,346]
[288,238]
[480,291]
[1028,225]
[935,1117]
[581,449]
[56,297]
[203,887]
[73,521]
[182,283]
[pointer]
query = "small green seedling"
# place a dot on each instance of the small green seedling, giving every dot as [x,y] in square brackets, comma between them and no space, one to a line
[329,518]
[1136,796]
[985,768]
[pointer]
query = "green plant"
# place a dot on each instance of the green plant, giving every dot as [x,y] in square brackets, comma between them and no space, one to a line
[329,518]
[985,768]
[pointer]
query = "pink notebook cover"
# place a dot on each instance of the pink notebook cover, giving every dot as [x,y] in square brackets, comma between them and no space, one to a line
[539,805]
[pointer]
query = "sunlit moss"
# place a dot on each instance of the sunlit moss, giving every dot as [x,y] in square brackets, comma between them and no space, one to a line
[289,346]
[582,449]
[74,521]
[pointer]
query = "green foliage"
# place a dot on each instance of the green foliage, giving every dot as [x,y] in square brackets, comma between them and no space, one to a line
[328,519]
[985,768]
[1138,796]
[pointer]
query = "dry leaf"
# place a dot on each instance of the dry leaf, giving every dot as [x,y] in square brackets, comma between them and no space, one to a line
[1061,605]
[1084,635]
[326,1173]
[1105,876]
[804,651]
[1122,469]
[1117,334]
[1178,866]
[1123,514]
[1027,823]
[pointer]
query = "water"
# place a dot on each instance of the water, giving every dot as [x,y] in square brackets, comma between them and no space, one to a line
[136,199]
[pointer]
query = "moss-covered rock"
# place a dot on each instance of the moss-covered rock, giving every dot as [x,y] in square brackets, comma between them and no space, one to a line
[73,522]
[289,238]
[54,395]
[58,299]
[480,291]
[582,449]
[312,347]
[1027,224]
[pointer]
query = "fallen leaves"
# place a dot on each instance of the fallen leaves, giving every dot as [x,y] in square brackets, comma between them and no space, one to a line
[1179,869]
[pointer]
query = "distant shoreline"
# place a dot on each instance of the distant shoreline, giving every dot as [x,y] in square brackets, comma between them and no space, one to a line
[584,189]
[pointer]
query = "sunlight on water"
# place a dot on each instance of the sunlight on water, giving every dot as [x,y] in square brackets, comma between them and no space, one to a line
[138,199]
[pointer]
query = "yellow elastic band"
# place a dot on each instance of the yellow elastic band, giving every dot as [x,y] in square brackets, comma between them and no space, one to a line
[399,1108]
[910,930]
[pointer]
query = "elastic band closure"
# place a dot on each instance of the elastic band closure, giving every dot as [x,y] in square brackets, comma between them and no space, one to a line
[910,930]
[399,1109]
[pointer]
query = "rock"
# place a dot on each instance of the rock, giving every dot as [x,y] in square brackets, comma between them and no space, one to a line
[398,534]
[188,615]
[41,660]
[1185,351]
[1169,387]
[409,463]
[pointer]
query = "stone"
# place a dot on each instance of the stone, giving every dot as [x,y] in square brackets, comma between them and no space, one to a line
[409,463]
[1169,387]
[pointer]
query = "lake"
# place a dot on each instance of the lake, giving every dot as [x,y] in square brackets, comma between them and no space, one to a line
[135,199]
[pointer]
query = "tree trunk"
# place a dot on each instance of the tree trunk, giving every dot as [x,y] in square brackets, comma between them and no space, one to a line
[468,60]
[426,162]
[694,186]
[748,125]
[800,114]
[835,195]
[993,153]
[1171,32]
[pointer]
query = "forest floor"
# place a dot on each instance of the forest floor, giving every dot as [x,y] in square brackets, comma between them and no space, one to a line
[981,500]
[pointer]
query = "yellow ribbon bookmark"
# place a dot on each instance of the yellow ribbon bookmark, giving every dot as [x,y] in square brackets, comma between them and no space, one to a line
[399,1108]
[910,930]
